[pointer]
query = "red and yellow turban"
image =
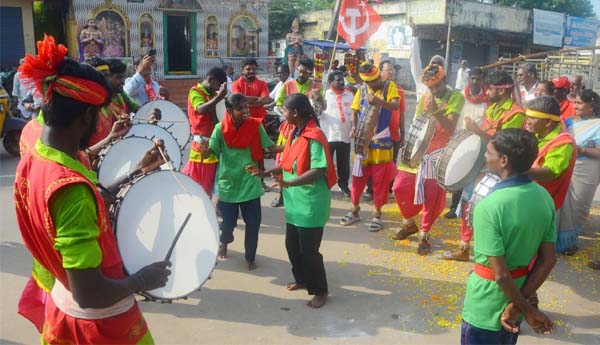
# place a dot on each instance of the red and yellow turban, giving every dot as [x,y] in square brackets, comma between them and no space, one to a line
[542,115]
[41,73]
[432,75]
[371,75]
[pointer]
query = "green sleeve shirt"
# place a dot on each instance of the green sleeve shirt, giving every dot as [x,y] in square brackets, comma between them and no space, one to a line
[557,159]
[506,223]
[308,206]
[235,184]
[73,211]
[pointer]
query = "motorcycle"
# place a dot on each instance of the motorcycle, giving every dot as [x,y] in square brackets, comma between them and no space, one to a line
[10,126]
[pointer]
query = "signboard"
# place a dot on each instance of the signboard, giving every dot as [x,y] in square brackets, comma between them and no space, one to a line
[426,12]
[548,28]
[580,32]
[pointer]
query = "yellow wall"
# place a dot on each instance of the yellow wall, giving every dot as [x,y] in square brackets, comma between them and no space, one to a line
[27,12]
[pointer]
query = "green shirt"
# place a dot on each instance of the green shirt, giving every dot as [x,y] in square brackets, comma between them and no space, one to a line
[235,184]
[196,98]
[508,224]
[495,112]
[308,205]
[74,214]
[557,159]
[302,88]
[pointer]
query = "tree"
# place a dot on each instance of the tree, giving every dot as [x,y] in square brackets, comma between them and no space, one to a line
[577,8]
[283,12]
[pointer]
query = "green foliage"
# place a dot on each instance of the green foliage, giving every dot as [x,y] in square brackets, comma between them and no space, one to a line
[283,12]
[577,8]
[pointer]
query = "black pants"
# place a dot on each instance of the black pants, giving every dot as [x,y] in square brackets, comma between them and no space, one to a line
[455,199]
[302,246]
[342,158]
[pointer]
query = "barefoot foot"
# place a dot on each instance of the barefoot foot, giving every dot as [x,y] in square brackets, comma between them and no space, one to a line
[222,253]
[295,286]
[318,301]
[250,265]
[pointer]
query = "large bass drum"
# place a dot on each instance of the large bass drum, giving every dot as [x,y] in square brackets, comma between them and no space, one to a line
[120,158]
[461,161]
[482,189]
[418,140]
[172,118]
[147,216]
[148,131]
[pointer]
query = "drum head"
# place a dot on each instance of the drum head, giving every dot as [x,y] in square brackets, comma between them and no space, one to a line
[419,138]
[149,216]
[220,107]
[120,158]
[173,119]
[148,131]
[463,160]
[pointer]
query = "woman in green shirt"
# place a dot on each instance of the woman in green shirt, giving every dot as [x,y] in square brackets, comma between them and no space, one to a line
[308,175]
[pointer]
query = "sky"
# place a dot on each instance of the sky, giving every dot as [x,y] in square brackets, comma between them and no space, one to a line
[596,4]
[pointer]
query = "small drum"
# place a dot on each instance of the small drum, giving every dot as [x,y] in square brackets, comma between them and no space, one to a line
[148,131]
[418,140]
[172,118]
[461,161]
[220,107]
[120,158]
[148,215]
[482,189]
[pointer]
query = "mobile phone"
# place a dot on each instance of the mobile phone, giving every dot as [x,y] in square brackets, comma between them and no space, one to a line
[152,52]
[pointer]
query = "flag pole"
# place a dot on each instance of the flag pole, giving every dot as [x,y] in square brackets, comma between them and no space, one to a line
[337,35]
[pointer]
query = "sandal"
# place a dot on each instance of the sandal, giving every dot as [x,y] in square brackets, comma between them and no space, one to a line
[349,219]
[375,225]
[277,202]
[424,248]
[405,231]
[594,264]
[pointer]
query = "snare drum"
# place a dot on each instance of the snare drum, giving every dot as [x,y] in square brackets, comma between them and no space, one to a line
[120,158]
[148,215]
[172,119]
[148,131]
[461,161]
[482,189]
[418,140]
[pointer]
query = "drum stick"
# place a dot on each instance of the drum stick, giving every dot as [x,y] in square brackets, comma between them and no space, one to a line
[171,170]
[187,218]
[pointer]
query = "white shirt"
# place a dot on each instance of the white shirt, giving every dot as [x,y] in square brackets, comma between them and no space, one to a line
[416,68]
[461,78]
[331,119]
[476,112]
[527,95]
[229,84]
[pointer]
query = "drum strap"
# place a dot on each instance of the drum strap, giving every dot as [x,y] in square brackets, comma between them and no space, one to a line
[63,299]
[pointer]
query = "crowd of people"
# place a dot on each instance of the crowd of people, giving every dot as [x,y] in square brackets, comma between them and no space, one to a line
[542,142]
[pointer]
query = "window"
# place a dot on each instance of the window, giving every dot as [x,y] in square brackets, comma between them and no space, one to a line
[211,36]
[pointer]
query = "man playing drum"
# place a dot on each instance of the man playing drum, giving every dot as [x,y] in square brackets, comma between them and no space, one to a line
[503,113]
[417,190]
[379,162]
[120,105]
[476,102]
[513,224]
[92,300]
[202,101]
[554,164]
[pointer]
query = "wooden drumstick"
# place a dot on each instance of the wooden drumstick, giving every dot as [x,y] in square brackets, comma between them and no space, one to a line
[187,218]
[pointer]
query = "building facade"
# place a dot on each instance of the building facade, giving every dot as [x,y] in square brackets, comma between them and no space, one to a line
[16,31]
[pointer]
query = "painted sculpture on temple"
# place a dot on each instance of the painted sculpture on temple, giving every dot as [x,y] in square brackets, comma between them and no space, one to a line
[91,41]
[293,49]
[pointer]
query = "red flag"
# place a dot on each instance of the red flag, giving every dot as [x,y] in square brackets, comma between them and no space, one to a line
[357,22]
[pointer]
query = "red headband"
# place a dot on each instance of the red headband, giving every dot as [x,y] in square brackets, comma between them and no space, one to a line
[41,73]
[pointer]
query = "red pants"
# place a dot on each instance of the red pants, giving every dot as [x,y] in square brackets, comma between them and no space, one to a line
[203,173]
[466,232]
[435,199]
[381,174]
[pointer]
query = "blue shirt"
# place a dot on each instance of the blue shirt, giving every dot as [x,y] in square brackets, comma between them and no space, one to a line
[136,88]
